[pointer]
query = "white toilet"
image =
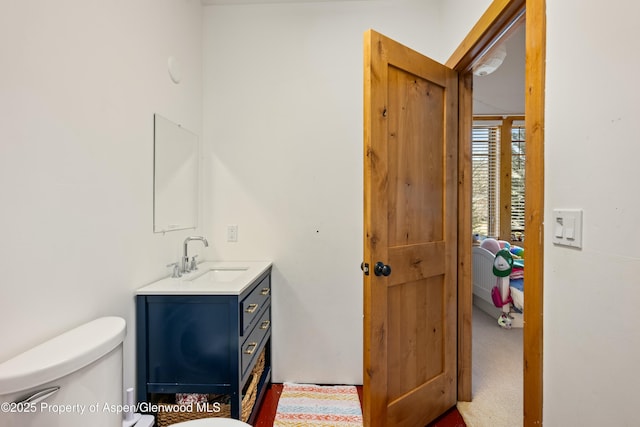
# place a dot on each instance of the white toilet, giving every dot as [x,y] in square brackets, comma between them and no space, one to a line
[75,380]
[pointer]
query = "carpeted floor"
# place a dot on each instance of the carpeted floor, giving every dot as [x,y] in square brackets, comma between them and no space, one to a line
[314,405]
[496,377]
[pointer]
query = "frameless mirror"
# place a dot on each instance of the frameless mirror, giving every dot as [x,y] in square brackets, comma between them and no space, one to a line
[175,176]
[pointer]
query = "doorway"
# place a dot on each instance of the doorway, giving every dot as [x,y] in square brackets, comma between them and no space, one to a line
[498,20]
[498,154]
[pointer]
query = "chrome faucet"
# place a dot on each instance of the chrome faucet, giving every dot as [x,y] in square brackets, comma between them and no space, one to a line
[185,257]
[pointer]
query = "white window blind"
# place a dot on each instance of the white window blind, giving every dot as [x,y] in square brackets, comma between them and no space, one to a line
[518,153]
[486,141]
[486,180]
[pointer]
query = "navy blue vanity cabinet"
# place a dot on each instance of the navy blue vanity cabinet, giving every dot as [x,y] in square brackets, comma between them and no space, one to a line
[204,343]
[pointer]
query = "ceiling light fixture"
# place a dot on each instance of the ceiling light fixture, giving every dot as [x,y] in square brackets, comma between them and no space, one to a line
[490,61]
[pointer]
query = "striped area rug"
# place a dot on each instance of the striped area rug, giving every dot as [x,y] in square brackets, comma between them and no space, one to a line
[322,406]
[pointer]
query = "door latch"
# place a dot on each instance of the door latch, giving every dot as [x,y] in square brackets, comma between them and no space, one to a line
[365,267]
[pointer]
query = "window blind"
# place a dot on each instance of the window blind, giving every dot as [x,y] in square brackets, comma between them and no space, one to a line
[518,154]
[486,180]
[486,170]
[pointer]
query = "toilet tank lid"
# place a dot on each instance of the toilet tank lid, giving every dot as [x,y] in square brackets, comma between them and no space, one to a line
[61,355]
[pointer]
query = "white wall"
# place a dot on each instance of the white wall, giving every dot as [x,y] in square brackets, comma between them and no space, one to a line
[80,83]
[283,119]
[458,18]
[591,337]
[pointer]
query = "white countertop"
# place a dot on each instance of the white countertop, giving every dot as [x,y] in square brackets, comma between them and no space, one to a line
[196,283]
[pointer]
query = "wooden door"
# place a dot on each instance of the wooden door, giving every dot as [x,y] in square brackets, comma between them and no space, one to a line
[410,229]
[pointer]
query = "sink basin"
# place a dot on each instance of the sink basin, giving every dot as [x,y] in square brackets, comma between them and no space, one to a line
[211,278]
[222,274]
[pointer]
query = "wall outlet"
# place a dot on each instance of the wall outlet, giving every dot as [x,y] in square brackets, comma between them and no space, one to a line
[232,233]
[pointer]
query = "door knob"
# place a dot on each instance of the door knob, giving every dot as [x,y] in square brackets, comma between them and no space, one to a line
[381,269]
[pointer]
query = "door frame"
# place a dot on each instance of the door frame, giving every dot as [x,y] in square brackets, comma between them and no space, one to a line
[500,18]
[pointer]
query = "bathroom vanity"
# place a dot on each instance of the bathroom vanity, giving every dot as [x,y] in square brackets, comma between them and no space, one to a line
[204,333]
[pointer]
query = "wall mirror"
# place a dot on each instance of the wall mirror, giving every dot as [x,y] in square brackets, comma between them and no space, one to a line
[175,176]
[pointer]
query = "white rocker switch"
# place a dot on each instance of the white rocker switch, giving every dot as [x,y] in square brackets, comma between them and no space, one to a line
[567,227]
[558,228]
[570,228]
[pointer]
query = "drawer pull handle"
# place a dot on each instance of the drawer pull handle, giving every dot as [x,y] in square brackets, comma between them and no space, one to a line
[265,324]
[265,291]
[251,348]
[251,308]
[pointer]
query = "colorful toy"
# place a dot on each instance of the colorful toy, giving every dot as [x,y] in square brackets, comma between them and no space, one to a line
[491,245]
[502,266]
[503,263]
[517,251]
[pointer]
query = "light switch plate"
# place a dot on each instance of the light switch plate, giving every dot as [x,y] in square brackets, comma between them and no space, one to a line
[567,227]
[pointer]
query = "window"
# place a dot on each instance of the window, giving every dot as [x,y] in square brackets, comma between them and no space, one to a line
[492,216]
[517,182]
[485,177]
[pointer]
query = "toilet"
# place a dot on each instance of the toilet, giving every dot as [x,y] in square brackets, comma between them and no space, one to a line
[75,380]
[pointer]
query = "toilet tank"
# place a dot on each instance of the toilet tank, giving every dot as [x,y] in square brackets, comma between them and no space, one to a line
[80,371]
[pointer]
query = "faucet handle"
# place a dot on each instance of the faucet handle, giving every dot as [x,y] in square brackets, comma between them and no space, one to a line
[194,264]
[176,270]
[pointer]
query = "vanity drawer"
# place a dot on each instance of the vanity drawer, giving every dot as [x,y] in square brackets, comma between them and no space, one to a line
[253,304]
[252,346]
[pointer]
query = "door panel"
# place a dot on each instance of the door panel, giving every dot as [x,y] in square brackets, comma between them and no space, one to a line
[415,154]
[415,335]
[410,224]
